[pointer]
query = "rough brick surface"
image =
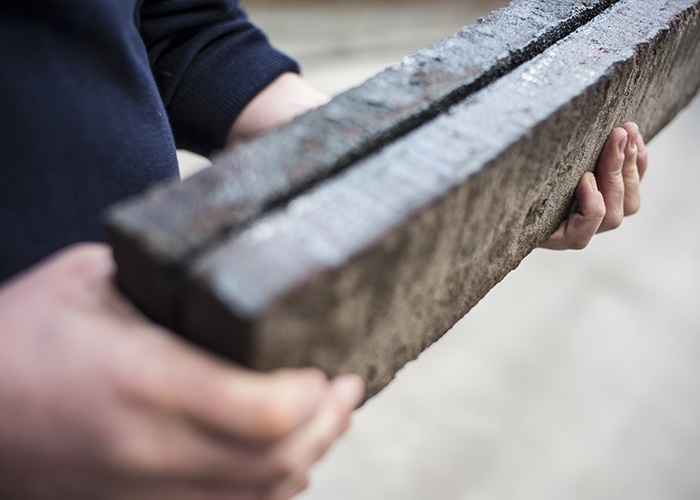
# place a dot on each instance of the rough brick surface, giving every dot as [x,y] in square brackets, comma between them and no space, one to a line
[157,236]
[364,270]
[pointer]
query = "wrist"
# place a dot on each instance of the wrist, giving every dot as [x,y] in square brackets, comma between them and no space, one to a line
[280,102]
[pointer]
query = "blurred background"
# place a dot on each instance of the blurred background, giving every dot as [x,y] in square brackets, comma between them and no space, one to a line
[578,377]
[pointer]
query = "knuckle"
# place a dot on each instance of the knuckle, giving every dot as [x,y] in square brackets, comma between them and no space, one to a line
[630,172]
[615,178]
[598,211]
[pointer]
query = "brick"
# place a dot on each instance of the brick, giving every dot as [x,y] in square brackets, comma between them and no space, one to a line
[362,271]
[156,236]
[366,270]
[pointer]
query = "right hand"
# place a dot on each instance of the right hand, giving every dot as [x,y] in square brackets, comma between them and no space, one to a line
[96,402]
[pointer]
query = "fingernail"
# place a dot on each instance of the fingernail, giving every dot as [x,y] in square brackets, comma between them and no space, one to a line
[641,147]
[633,141]
[350,388]
[594,183]
[623,145]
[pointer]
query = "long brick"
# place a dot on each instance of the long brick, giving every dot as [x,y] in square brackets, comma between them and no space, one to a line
[157,236]
[366,269]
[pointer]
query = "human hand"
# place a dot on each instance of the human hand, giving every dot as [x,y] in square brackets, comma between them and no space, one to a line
[612,193]
[96,402]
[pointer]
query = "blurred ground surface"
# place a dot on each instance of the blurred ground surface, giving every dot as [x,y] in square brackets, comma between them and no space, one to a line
[578,377]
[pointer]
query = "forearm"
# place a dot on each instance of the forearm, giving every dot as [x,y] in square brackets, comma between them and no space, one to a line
[280,102]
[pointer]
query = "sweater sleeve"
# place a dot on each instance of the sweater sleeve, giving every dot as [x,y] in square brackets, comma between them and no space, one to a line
[209,61]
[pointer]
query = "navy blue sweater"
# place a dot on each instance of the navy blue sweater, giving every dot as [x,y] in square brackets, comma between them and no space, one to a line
[95,95]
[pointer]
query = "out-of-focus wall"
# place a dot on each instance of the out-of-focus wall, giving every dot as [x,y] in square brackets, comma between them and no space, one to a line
[342,43]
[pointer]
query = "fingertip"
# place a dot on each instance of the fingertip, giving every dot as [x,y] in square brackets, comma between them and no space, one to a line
[619,137]
[588,193]
[632,128]
[622,145]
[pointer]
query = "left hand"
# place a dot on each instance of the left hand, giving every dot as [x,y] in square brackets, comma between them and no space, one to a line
[97,402]
[605,198]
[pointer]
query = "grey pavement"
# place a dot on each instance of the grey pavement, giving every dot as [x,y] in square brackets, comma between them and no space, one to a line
[577,377]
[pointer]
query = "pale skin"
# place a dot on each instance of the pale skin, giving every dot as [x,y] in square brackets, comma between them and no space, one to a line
[97,402]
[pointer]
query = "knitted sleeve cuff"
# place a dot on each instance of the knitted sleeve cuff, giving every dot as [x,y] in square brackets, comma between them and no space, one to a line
[222,79]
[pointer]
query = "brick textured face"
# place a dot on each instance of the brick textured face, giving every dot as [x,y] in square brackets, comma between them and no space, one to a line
[356,236]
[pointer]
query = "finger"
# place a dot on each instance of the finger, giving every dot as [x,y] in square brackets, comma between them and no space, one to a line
[609,177]
[165,450]
[306,446]
[237,403]
[630,174]
[286,463]
[251,407]
[642,156]
[280,465]
[576,232]
[162,448]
